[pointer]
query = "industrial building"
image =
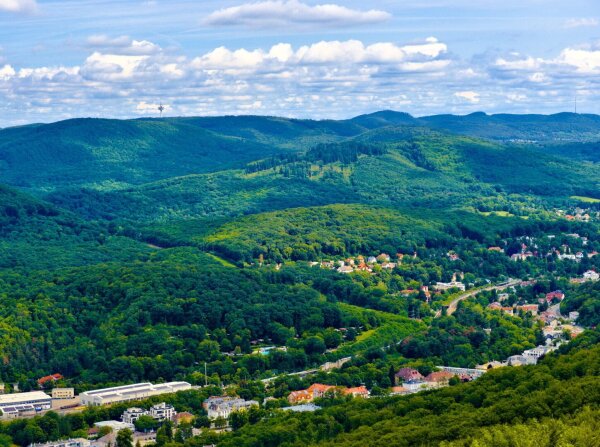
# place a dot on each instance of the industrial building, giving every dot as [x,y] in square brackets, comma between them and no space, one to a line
[77,442]
[63,393]
[13,405]
[129,393]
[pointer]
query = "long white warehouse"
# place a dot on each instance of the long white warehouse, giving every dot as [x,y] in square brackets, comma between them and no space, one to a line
[14,404]
[128,393]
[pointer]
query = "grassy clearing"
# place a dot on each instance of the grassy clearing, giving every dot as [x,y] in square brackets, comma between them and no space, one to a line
[585,199]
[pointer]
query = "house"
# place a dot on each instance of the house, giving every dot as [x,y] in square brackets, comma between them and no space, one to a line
[508,310]
[184,418]
[494,306]
[115,426]
[407,375]
[223,406]
[498,249]
[383,257]
[131,415]
[300,396]
[591,275]
[163,412]
[49,379]
[490,365]
[319,390]
[345,269]
[574,315]
[388,265]
[532,308]
[439,378]
[359,391]
[517,360]
[398,391]
[556,295]
[449,285]
[371,260]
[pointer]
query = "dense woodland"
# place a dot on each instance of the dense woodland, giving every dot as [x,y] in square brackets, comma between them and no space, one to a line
[140,250]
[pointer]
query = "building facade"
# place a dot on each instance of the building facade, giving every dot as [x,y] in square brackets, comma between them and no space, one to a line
[14,405]
[63,393]
[128,393]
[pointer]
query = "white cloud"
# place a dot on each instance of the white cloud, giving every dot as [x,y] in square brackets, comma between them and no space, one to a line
[18,5]
[586,61]
[326,79]
[293,12]
[582,22]
[122,45]
[7,72]
[469,96]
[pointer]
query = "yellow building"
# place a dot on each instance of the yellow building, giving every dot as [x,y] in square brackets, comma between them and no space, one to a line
[63,393]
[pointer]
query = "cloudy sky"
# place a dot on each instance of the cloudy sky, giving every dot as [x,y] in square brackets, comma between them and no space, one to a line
[299,58]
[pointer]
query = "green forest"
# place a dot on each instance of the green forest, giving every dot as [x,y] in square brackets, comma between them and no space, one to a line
[147,250]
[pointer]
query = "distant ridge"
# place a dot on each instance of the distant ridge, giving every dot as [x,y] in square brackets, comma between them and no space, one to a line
[108,152]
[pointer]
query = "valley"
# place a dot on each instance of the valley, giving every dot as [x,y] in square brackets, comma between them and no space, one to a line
[240,254]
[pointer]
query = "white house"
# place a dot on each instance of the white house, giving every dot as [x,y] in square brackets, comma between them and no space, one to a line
[163,412]
[133,414]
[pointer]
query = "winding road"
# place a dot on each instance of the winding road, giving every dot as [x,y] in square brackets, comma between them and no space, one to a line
[468,294]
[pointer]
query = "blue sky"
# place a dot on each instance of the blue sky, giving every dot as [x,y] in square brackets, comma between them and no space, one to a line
[300,58]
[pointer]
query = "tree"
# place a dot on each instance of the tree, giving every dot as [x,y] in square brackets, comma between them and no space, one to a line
[125,438]
[146,423]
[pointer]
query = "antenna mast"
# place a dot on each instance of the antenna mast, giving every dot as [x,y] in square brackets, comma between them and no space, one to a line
[160,109]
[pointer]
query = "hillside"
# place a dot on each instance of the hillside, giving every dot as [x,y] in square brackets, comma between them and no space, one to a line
[550,404]
[34,235]
[104,154]
[391,166]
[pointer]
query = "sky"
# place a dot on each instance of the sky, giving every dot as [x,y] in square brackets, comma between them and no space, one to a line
[318,59]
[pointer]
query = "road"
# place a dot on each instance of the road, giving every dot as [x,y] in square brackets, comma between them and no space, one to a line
[454,303]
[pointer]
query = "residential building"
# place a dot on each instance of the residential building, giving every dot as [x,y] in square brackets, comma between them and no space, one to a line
[532,308]
[474,373]
[49,379]
[449,285]
[407,375]
[129,393]
[223,406]
[116,426]
[63,393]
[300,396]
[556,295]
[533,355]
[184,417]
[163,411]
[591,275]
[345,269]
[398,391]
[133,414]
[76,442]
[359,391]
[16,404]
[574,315]
[439,378]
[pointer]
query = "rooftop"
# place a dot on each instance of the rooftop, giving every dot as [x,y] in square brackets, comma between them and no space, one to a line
[7,399]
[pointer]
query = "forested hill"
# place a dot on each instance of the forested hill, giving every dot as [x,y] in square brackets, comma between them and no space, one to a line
[103,153]
[35,234]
